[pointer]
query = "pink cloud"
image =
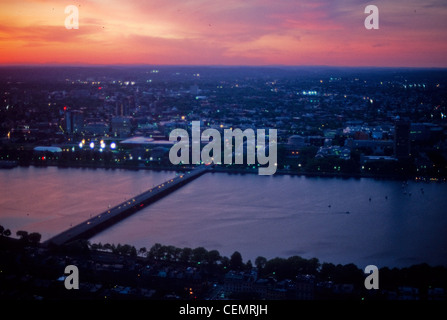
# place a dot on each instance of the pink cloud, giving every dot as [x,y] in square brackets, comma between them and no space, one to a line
[234,32]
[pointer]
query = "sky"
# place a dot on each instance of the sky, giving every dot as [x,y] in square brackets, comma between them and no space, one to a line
[225,32]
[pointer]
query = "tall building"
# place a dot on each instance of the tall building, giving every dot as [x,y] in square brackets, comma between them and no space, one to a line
[74,121]
[194,89]
[122,108]
[402,139]
[121,126]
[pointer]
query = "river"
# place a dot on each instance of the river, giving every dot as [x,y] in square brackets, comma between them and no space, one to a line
[340,220]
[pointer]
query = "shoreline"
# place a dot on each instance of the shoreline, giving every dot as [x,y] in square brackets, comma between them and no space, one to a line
[221,169]
[111,274]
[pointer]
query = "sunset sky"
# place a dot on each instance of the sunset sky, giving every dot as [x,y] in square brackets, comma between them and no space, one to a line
[225,32]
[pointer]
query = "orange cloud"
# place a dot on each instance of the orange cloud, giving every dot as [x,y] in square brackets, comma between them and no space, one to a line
[254,32]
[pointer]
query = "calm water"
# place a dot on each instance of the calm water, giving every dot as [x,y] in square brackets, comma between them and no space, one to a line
[49,200]
[363,221]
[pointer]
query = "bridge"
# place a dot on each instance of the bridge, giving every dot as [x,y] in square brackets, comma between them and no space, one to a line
[92,226]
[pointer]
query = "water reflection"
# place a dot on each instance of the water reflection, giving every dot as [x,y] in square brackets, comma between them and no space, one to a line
[363,221]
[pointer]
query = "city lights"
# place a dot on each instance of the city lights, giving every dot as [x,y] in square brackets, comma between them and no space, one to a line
[309,93]
[325,137]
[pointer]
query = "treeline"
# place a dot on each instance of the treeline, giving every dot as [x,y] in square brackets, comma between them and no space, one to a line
[24,236]
[212,263]
[422,276]
[198,257]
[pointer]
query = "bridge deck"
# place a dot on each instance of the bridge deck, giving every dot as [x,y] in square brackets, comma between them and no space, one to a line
[111,216]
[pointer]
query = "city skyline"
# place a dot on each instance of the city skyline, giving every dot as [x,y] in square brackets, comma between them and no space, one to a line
[411,33]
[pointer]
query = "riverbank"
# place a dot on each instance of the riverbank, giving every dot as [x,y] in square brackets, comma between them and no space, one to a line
[162,272]
[236,170]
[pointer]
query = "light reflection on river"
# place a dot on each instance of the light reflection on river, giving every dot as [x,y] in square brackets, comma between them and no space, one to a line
[49,200]
[331,219]
[363,221]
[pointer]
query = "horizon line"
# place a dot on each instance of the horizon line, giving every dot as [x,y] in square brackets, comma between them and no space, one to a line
[86,65]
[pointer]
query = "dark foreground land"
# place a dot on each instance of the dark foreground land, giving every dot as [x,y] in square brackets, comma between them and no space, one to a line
[30,271]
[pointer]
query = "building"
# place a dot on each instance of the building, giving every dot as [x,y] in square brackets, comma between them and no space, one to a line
[48,149]
[121,109]
[121,126]
[194,90]
[297,141]
[148,149]
[336,151]
[402,139]
[425,132]
[247,284]
[97,128]
[74,121]
[44,153]
[375,147]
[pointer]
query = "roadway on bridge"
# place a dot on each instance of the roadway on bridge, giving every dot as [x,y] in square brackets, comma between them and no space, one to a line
[111,216]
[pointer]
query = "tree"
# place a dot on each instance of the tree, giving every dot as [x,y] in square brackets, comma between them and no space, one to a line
[236,261]
[313,266]
[177,254]
[276,267]
[133,251]
[348,273]
[142,251]
[169,253]
[23,235]
[225,262]
[186,255]
[154,251]
[213,256]
[117,248]
[7,233]
[34,237]
[125,250]
[199,254]
[327,271]
[260,262]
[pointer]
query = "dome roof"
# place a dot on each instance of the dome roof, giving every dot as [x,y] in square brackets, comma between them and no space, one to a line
[50,149]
